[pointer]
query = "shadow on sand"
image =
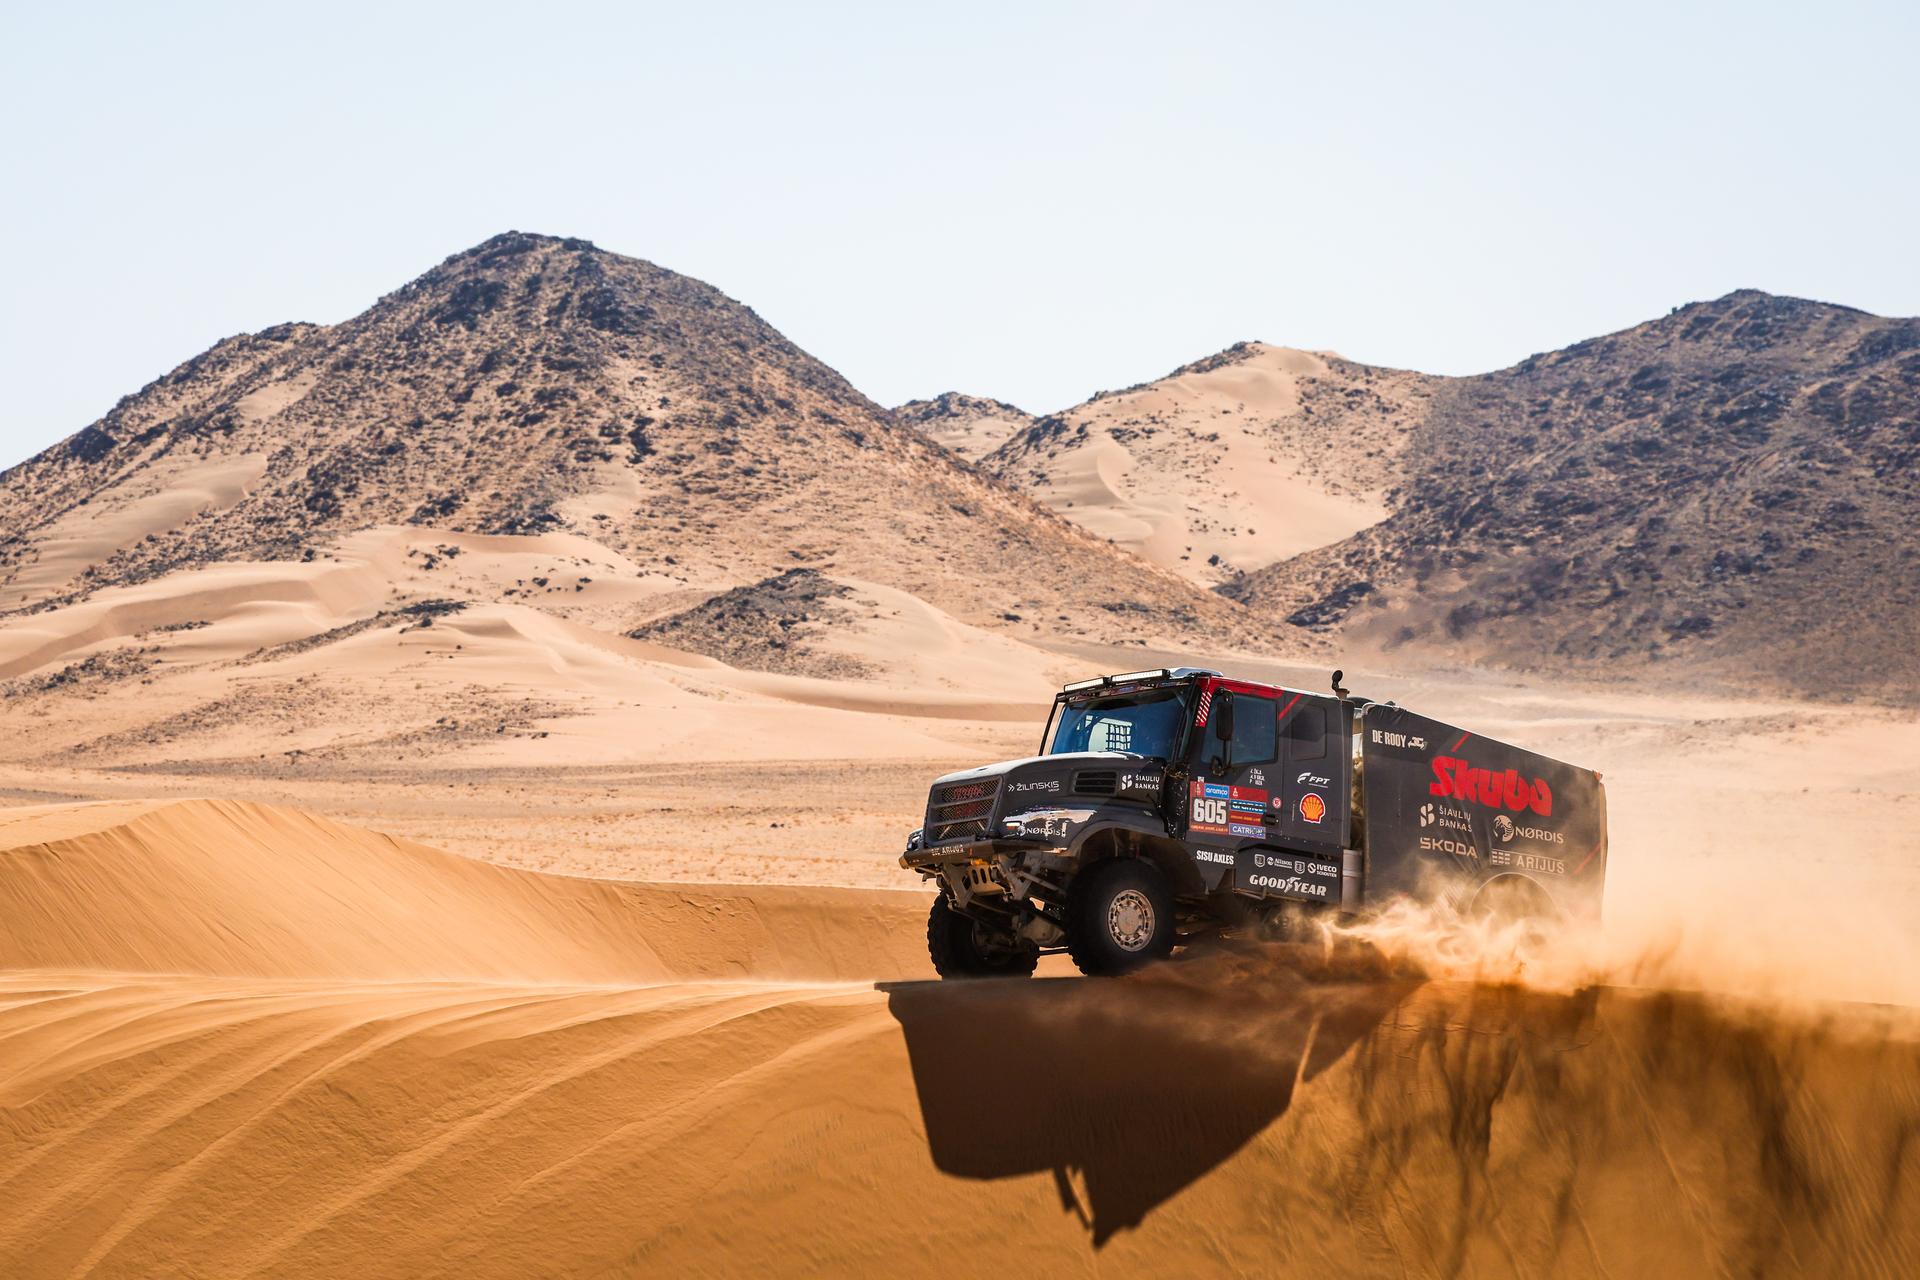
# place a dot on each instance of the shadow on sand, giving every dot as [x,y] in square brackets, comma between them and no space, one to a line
[1138,1086]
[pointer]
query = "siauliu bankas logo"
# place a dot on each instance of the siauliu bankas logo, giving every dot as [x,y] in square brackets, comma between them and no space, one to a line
[1455,777]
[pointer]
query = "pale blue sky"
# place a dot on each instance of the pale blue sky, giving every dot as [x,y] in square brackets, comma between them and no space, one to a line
[1027,201]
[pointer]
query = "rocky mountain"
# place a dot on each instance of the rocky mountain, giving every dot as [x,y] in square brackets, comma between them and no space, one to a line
[1733,489]
[971,426]
[1227,465]
[535,385]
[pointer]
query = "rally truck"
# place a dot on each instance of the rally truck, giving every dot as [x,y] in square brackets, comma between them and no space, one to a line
[1175,805]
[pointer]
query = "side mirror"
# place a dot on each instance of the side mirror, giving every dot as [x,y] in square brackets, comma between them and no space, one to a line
[1223,719]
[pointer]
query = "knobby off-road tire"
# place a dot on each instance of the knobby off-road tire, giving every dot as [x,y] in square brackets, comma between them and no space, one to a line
[1119,917]
[955,945]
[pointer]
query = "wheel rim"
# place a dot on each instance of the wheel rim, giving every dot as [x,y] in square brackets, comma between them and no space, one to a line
[1130,920]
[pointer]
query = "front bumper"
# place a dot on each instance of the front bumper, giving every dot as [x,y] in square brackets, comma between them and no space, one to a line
[966,853]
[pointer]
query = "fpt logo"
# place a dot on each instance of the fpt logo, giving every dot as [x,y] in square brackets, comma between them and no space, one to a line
[1312,808]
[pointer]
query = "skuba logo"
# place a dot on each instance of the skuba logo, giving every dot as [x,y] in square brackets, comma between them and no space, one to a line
[1455,777]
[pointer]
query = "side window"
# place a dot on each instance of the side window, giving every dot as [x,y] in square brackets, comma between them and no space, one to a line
[1307,734]
[1253,729]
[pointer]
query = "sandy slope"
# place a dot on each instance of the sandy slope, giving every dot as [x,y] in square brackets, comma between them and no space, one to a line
[248,1041]
[1228,465]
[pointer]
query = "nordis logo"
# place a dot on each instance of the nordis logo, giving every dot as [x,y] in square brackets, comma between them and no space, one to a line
[1455,777]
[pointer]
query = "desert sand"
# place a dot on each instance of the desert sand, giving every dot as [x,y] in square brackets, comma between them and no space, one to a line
[245,1040]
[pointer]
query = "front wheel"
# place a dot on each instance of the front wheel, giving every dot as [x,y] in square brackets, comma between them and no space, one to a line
[963,948]
[1119,917]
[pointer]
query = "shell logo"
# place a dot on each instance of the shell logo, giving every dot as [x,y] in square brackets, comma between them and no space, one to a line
[1312,808]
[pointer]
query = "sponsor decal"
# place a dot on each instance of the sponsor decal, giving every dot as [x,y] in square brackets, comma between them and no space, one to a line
[1248,800]
[1527,862]
[1441,844]
[1455,777]
[1044,824]
[1292,884]
[1448,818]
[1399,741]
[1208,812]
[1215,791]
[1506,829]
[1050,784]
[1299,866]
[1139,782]
[1312,808]
[1214,855]
[1245,829]
[1258,777]
[1308,778]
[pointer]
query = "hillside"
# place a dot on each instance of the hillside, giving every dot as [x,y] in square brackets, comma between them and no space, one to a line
[971,426]
[1731,489]
[534,385]
[1229,464]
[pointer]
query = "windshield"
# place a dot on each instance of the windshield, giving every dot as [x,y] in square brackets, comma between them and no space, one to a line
[1145,724]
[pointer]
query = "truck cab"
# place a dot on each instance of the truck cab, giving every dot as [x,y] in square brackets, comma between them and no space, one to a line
[1162,804]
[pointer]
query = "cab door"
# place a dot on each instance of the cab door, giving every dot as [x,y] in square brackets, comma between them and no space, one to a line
[1230,792]
[1314,789]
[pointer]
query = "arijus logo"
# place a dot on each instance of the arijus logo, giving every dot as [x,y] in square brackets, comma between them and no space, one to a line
[1051,784]
[1292,884]
[1528,862]
[1311,779]
[1220,856]
[1447,818]
[1506,829]
[1440,844]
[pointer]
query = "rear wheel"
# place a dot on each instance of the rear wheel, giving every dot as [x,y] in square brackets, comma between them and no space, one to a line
[963,948]
[1119,917]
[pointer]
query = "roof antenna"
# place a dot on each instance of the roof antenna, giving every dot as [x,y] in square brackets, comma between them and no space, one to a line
[1338,692]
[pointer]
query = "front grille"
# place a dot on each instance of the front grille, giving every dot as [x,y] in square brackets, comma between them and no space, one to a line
[1096,782]
[961,811]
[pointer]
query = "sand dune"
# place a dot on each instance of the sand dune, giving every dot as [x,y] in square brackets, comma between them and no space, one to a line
[1228,465]
[249,1041]
[246,890]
